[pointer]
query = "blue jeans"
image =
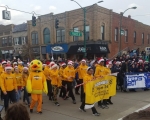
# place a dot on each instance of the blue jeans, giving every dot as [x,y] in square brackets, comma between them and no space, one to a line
[25,96]
[18,95]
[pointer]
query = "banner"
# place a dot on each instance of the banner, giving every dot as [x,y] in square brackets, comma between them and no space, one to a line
[137,80]
[99,89]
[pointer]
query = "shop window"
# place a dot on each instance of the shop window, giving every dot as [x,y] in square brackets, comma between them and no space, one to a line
[46,34]
[134,36]
[34,37]
[102,32]
[116,34]
[87,30]
[60,35]
[75,38]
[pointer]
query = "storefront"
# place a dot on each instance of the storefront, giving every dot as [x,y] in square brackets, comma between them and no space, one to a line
[58,51]
[92,50]
[7,54]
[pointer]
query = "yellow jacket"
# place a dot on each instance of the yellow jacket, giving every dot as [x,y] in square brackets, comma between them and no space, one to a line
[69,74]
[87,78]
[24,78]
[1,71]
[8,82]
[82,70]
[55,79]
[47,72]
[36,83]
[61,72]
[20,67]
[19,79]
[100,71]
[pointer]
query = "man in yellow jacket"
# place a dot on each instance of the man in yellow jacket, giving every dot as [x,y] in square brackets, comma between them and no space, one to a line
[82,71]
[8,86]
[69,75]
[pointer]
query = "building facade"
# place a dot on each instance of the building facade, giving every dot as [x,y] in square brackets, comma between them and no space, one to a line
[102,34]
[6,41]
[20,45]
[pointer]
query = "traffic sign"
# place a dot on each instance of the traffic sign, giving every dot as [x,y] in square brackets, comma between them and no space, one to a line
[77,34]
[122,32]
[6,15]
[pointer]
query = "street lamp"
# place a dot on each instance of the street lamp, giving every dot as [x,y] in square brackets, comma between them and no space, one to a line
[121,27]
[84,24]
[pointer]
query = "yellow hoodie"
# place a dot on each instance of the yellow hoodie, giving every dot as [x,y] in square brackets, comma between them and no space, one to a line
[8,82]
[24,78]
[87,78]
[69,73]
[82,70]
[47,72]
[19,79]
[55,79]
[100,71]
[20,67]
[61,72]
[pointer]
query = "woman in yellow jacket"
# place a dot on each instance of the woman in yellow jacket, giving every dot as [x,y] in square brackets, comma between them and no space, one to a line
[54,82]
[19,80]
[25,75]
[88,77]
[69,75]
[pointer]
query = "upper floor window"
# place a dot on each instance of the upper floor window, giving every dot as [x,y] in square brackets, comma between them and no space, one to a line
[87,30]
[142,38]
[46,34]
[126,35]
[34,37]
[148,41]
[10,41]
[116,34]
[4,41]
[23,40]
[60,35]
[75,38]
[102,32]
[134,36]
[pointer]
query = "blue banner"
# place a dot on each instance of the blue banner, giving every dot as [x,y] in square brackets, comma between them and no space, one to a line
[137,80]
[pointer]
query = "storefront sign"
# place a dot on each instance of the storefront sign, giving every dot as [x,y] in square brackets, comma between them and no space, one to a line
[57,48]
[102,48]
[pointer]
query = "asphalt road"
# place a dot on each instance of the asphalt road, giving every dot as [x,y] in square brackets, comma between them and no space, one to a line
[124,103]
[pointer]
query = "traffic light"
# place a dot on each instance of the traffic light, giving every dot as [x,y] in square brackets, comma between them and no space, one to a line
[56,23]
[33,21]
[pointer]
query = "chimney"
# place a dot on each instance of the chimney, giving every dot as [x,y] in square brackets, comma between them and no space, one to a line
[129,16]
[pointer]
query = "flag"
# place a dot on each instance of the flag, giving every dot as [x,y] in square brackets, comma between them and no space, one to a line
[99,89]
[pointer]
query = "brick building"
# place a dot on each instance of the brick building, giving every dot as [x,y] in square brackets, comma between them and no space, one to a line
[102,34]
[6,41]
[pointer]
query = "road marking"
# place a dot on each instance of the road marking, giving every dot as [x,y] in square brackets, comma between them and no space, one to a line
[137,110]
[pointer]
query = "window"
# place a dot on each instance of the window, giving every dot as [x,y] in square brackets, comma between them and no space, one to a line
[148,38]
[60,35]
[46,34]
[20,41]
[116,34]
[34,38]
[126,35]
[75,38]
[134,36]
[87,30]
[16,40]
[4,41]
[10,42]
[142,38]
[102,32]
[23,40]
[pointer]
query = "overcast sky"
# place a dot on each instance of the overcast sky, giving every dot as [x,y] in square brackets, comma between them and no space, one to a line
[142,13]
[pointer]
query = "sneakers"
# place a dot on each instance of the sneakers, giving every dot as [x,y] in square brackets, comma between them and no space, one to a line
[74,102]
[96,114]
[31,110]
[66,97]
[57,104]
[39,112]
[101,106]
[106,107]
[82,110]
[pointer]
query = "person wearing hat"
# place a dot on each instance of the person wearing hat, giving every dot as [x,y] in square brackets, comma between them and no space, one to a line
[55,82]
[88,77]
[19,81]
[8,86]
[64,83]
[82,71]
[69,75]
[20,66]
[47,75]
[101,71]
